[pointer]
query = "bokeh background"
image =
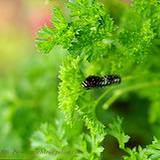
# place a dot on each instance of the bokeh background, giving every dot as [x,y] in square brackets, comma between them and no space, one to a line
[28,79]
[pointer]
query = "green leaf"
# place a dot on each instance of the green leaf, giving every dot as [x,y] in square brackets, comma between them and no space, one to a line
[115,129]
[45,39]
[151,152]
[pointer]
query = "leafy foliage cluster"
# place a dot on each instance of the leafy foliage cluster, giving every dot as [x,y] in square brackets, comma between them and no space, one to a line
[95,43]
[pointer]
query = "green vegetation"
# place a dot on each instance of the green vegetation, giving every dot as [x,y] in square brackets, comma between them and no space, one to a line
[87,124]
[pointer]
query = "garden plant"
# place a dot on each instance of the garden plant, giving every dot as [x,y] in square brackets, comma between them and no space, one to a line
[99,43]
[96,85]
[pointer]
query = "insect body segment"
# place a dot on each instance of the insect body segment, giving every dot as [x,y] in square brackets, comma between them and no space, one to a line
[97,81]
[110,79]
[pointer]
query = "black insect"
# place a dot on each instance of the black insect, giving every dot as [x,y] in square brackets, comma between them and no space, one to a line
[97,81]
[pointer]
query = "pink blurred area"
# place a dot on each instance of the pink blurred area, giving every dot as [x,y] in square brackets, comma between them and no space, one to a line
[38,18]
[20,20]
[21,14]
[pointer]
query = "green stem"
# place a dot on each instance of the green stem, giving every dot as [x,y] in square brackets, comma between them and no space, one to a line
[125,79]
[111,99]
[119,92]
[102,96]
[107,91]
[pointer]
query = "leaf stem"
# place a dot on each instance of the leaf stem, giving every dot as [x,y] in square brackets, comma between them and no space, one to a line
[119,92]
[108,90]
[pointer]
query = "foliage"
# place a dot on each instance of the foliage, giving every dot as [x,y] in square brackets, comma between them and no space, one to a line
[69,142]
[114,129]
[151,152]
[24,106]
[95,44]
[95,41]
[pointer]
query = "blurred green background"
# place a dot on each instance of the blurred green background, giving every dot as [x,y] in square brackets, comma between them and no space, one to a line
[28,80]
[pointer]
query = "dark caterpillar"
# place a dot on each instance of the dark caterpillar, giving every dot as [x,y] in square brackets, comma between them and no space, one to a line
[97,81]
